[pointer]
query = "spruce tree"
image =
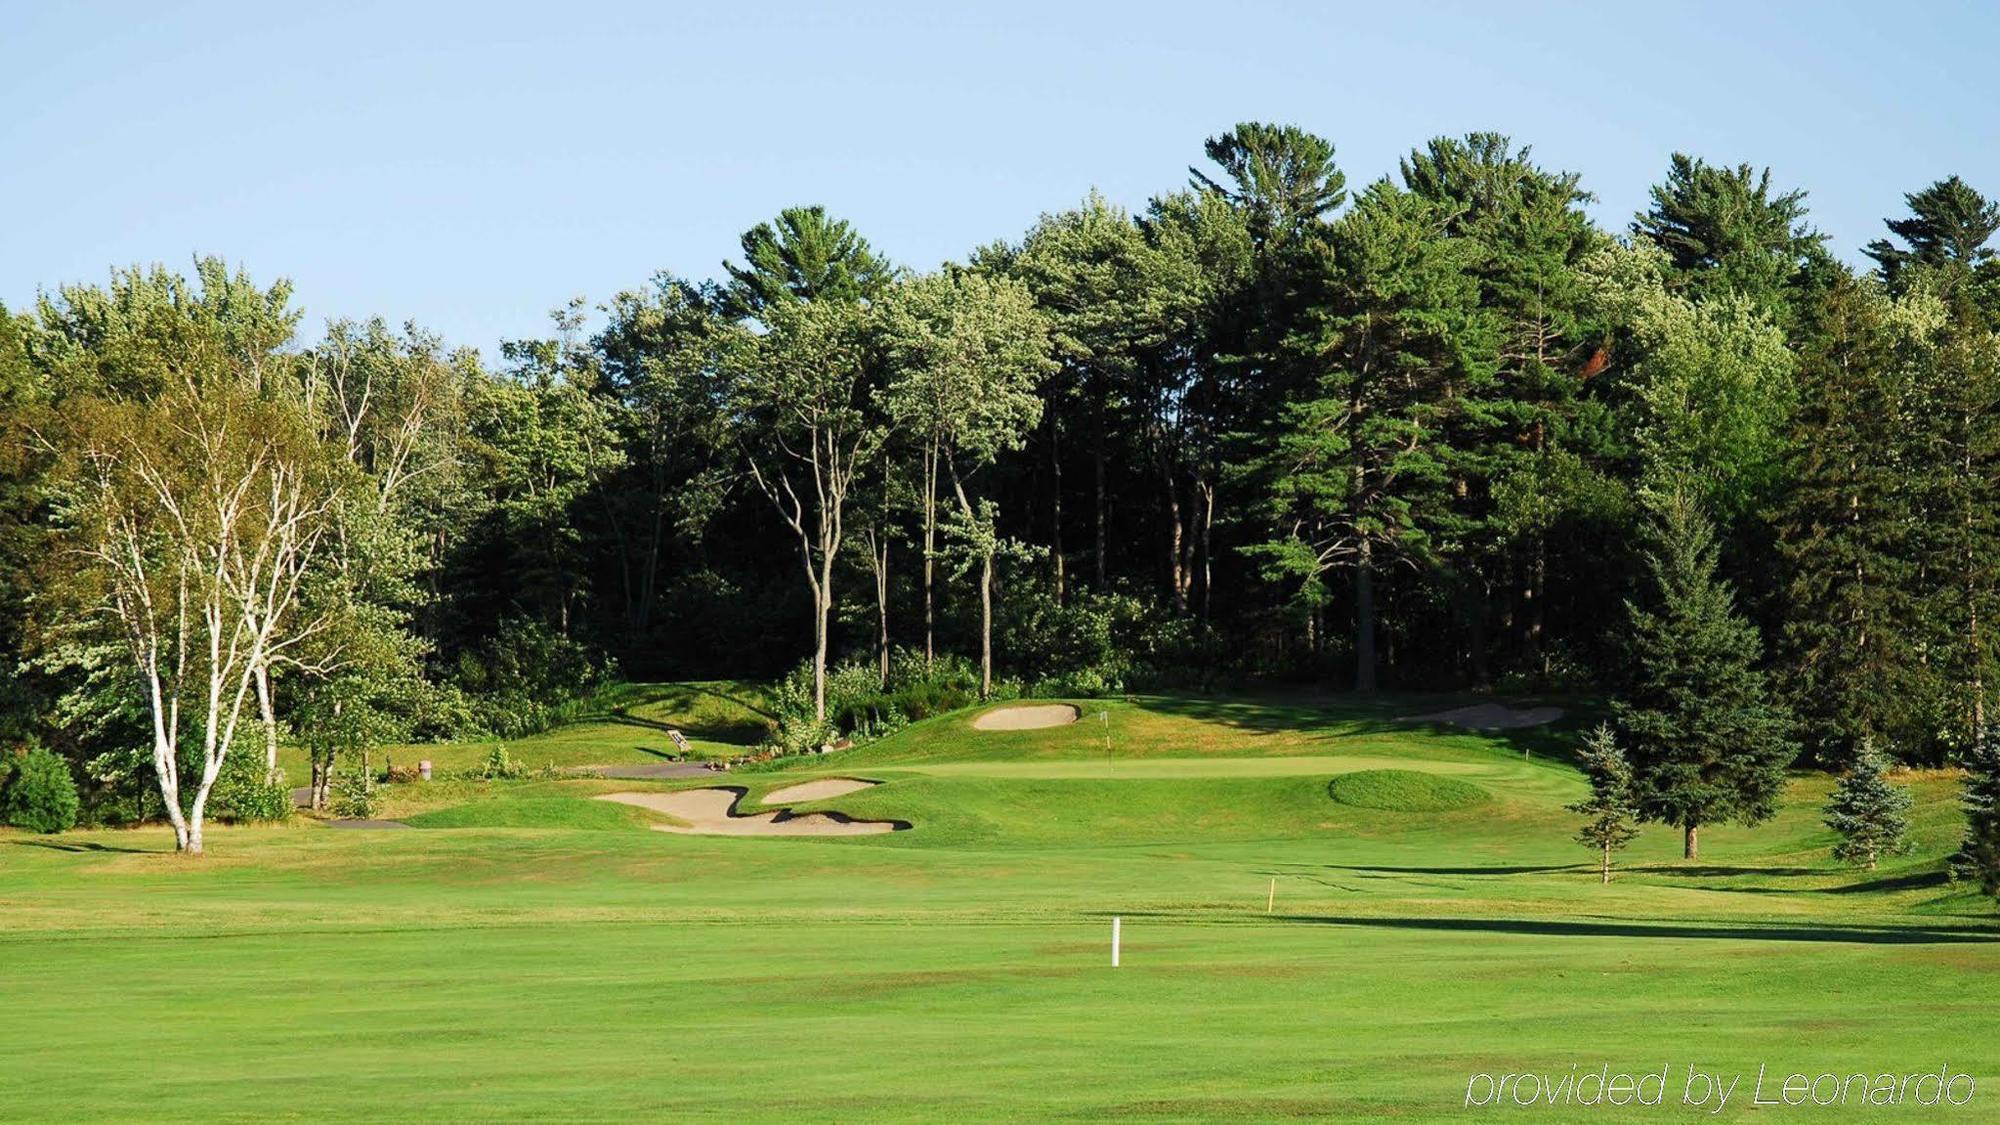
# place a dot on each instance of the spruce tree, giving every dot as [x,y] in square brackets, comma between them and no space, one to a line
[1707,744]
[1868,811]
[1610,805]
[1978,858]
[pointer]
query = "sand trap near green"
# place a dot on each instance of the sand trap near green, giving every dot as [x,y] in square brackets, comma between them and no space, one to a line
[711,812]
[823,789]
[1034,716]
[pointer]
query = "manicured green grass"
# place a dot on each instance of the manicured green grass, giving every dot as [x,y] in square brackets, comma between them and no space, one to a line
[560,960]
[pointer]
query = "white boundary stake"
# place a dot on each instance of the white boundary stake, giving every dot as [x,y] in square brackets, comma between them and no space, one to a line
[1273,899]
[1114,942]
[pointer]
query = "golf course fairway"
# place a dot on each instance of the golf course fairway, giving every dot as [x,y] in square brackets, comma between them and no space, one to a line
[532,952]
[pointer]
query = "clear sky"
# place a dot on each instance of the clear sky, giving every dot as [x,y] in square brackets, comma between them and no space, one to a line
[471,166]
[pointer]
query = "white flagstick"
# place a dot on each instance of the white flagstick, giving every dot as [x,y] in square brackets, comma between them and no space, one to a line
[1114,942]
[1273,900]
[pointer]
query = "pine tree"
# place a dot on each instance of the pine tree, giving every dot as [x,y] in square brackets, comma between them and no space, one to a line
[1949,226]
[1854,660]
[1868,811]
[1978,858]
[1707,744]
[1359,477]
[1728,230]
[1610,805]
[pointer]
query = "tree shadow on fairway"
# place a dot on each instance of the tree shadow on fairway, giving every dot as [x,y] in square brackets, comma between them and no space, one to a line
[1913,881]
[1702,871]
[1331,716]
[1523,870]
[75,847]
[1868,935]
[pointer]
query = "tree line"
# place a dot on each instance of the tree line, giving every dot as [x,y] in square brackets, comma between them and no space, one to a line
[1414,433]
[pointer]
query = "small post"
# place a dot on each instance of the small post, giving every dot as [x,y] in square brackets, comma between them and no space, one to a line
[1273,899]
[1114,942]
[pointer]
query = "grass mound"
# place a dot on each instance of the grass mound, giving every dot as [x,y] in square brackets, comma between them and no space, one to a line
[1403,791]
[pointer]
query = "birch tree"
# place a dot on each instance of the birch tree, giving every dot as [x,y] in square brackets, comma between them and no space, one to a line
[194,517]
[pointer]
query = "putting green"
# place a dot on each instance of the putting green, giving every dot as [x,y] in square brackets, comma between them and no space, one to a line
[564,961]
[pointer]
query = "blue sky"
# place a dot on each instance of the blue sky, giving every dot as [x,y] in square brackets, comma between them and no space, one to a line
[470,167]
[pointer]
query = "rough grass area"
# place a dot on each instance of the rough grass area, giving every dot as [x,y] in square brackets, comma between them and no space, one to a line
[1404,791]
[553,960]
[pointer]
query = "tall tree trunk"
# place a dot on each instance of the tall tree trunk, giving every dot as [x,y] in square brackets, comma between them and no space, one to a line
[267,715]
[1097,457]
[1606,864]
[930,554]
[822,610]
[986,626]
[1364,618]
[879,553]
[1533,593]
[1207,489]
[1055,504]
[1691,841]
[1476,592]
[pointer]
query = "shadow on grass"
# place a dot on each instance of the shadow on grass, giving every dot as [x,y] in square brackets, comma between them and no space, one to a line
[1910,882]
[1702,871]
[1526,870]
[63,846]
[1350,715]
[1869,935]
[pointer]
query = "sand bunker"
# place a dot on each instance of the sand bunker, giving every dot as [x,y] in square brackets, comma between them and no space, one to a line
[820,790]
[712,812]
[1030,717]
[1489,716]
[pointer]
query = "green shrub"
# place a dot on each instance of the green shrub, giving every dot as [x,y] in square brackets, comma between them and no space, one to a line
[1403,791]
[525,679]
[499,766]
[353,795]
[244,793]
[38,793]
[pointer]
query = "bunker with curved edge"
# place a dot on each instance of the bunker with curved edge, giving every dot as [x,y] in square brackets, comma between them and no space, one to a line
[820,789]
[712,812]
[1033,716]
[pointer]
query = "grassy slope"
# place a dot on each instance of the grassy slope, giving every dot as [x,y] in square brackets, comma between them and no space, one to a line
[627,724]
[583,967]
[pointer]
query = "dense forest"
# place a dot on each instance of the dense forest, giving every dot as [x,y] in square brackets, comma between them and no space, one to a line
[1438,431]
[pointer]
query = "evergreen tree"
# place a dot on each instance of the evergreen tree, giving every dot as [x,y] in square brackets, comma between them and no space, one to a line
[1610,806]
[1951,430]
[806,255]
[1360,475]
[1726,230]
[1949,227]
[1708,746]
[1283,178]
[1855,661]
[1523,455]
[1978,858]
[1868,811]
